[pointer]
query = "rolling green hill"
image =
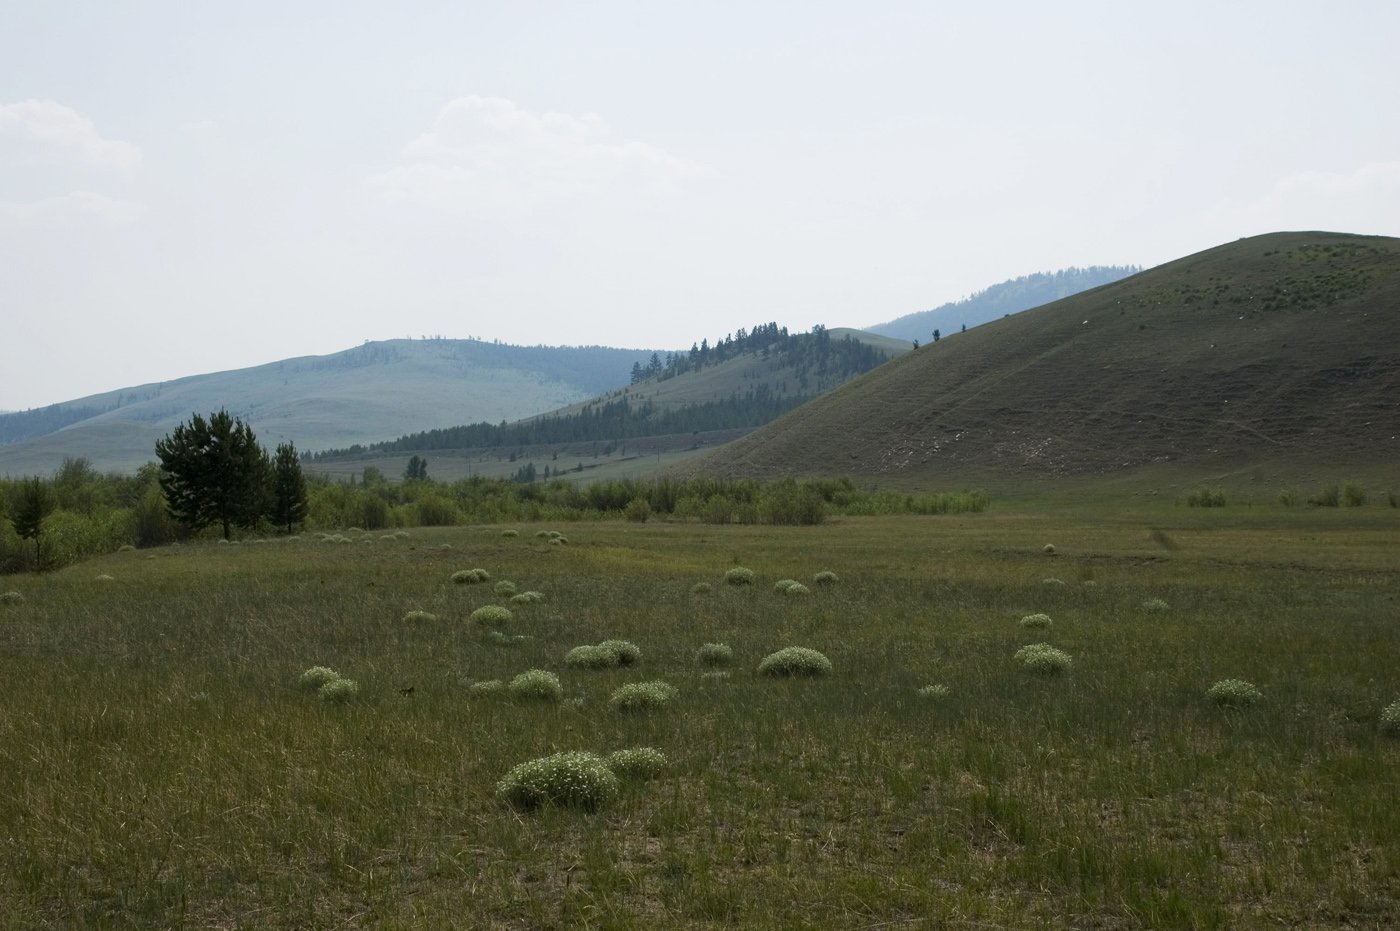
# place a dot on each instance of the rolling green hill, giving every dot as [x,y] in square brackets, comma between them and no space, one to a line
[360,395]
[1275,357]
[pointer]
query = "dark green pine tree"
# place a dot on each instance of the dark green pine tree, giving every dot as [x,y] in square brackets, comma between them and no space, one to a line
[214,472]
[32,507]
[289,505]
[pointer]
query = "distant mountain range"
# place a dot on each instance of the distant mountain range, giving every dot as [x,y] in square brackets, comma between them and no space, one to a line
[364,394]
[1009,297]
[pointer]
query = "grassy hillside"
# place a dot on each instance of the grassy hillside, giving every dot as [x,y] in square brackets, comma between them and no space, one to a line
[359,395]
[1276,357]
[1009,297]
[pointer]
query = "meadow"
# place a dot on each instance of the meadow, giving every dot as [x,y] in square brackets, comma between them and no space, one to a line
[162,765]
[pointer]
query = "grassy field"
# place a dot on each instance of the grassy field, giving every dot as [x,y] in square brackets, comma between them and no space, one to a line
[161,767]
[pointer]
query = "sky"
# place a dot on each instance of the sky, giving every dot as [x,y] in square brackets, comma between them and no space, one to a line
[193,187]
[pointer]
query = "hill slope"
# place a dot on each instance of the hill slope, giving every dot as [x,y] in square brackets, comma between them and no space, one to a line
[1009,297]
[363,394]
[1282,349]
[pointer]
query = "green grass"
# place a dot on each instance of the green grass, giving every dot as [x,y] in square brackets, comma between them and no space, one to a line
[161,764]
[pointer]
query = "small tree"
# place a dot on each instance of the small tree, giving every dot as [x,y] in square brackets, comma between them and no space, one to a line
[32,507]
[289,504]
[417,469]
[936,336]
[214,472]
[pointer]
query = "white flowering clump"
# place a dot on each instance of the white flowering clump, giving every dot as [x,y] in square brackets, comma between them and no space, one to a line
[126,548]
[317,676]
[11,598]
[389,538]
[592,657]
[339,690]
[781,586]
[825,578]
[643,696]
[1036,621]
[510,534]
[738,576]
[419,617]
[491,616]
[638,764]
[537,685]
[1052,581]
[403,534]
[505,589]
[1154,604]
[1235,693]
[1043,659]
[1390,718]
[541,534]
[504,639]
[714,654]
[1049,549]
[471,576]
[795,661]
[525,598]
[700,588]
[576,779]
[103,578]
[628,653]
[488,688]
[796,590]
[934,692]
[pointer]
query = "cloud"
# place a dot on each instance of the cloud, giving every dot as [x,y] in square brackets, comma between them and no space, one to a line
[72,208]
[1366,200]
[51,126]
[484,156]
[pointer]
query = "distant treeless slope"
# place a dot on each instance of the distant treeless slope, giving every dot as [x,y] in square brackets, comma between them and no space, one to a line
[363,394]
[1282,348]
[1009,297]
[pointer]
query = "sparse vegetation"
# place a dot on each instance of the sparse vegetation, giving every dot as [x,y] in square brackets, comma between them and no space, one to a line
[1206,498]
[420,617]
[1390,719]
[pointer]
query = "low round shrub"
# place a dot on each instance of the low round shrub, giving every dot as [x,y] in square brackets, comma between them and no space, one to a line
[700,588]
[781,587]
[643,696]
[419,617]
[935,691]
[541,534]
[1049,549]
[738,576]
[628,653]
[126,548]
[575,779]
[317,676]
[1052,582]
[1154,604]
[388,538]
[339,690]
[825,578]
[1038,621]
[504,588]
[536,685]
[555,541]
[104,577]
[796,590]
[470,576]
[1390,719]
[554,534]
[592,657]
[491,616]
[489,688]
[525,598]
[638,764]
[505,640]
[795,661]
[11,598]
[510,534]
[1043,659]
[1234,693]
[714,654]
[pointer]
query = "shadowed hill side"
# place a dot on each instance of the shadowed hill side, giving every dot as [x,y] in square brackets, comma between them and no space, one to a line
[1279,348]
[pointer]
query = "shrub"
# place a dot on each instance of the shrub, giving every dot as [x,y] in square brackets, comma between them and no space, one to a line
[1234,693]
[1289,497]
[1052,581]
[554,535]
[1036,620]
[575,779]
[434,511]
[510,534]
[317,676]
[505,588]
[419,617]
[1390,719]
[638,510]
[505,640]
[11,598]
[1154,604]
[1049,549]
[825,578]
[592,657]
[1206,498]
[536,685]
[491,616]
[795,661]
[126,548]
[628,653]
[525,598]
[1329,496]
[782,586]
[700,588]
[639,764]
[489,688]
[1043,659]
[796,590]
[104,577]
[1392,499]
[541,534]
[934,691]
[738,576]
[389,538]
[339,690]
[643,696]
[714,654]
[471,576]
[1353,493]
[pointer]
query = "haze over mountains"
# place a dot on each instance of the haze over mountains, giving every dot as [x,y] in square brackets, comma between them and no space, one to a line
[1278,354]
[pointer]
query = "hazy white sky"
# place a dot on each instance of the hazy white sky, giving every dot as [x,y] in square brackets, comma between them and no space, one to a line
[189,187]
